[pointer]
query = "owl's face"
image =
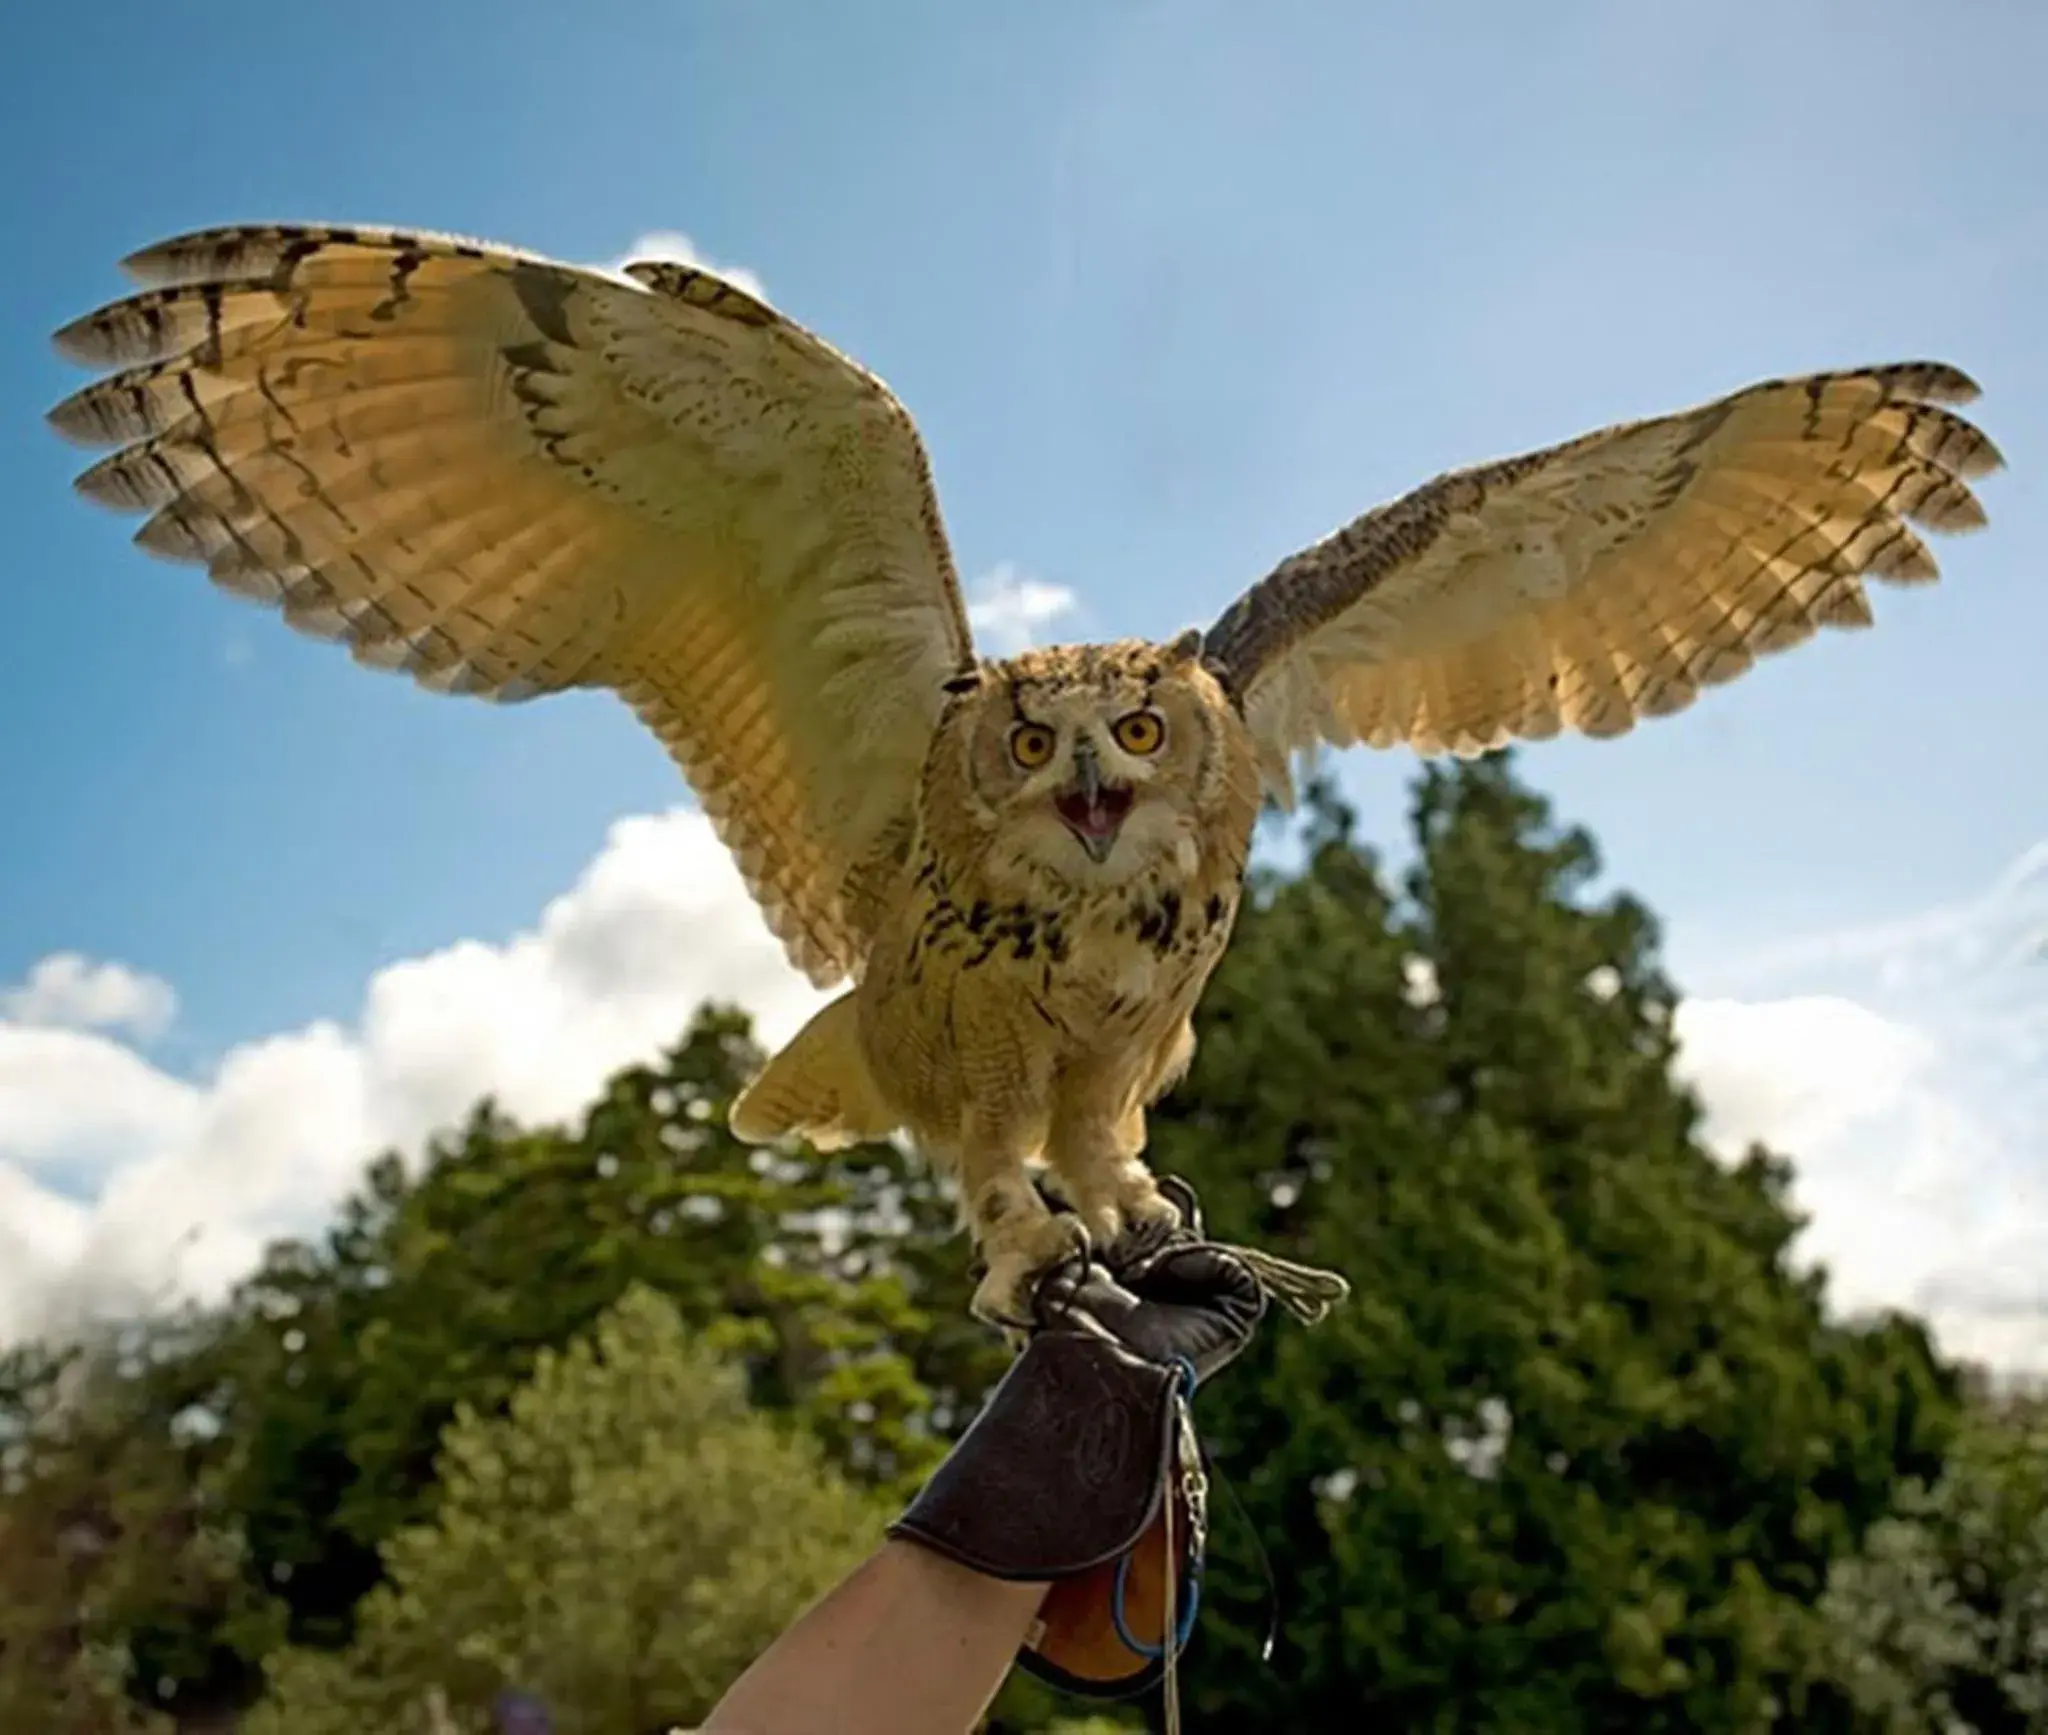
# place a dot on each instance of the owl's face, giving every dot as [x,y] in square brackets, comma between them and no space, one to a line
[1098,763]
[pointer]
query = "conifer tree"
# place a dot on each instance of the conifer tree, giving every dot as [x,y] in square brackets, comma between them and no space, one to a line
[1579,1450]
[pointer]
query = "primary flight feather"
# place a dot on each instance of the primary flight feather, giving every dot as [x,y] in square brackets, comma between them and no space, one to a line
[508,476]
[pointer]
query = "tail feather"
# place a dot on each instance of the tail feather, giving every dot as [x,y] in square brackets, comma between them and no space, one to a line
[818,1088]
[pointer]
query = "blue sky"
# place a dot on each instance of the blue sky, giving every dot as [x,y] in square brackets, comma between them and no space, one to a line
[1171,287]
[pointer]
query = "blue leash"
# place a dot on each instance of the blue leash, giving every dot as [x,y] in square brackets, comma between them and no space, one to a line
[1185,1626]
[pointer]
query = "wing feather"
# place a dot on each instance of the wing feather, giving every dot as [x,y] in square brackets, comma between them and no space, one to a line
[503,475]
[1611,578]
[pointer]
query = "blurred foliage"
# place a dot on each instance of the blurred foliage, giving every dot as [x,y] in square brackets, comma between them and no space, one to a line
[122,1573]
[1941,1621]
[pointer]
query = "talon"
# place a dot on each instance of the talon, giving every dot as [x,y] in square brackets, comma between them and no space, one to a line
[1007,1290]
[1152,1206]
[1149,1220]
[999,1300]
[1182,1197]
[1106,1224]
[1077,1233]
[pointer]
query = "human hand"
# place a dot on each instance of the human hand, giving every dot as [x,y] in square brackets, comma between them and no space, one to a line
[1083,1470]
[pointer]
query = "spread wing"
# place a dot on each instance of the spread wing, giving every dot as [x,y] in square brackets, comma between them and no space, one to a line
[1607,579]
[508,476]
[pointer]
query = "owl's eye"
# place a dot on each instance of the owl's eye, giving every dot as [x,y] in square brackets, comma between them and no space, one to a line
[1140,732]
[1031,745]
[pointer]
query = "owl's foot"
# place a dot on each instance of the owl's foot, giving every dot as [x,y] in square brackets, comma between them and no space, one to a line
[1132,1205]
[1018,1254]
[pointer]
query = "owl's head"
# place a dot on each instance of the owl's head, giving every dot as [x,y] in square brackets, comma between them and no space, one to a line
[1099,763]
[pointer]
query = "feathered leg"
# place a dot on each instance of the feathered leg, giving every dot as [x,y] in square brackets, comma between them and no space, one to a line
[1017,1236]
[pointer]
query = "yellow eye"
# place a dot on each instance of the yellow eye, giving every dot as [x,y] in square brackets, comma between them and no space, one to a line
[1031,745]
[1140,732]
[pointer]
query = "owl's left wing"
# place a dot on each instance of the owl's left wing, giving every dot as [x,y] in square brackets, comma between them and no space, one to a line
[1607,579]
[505,475]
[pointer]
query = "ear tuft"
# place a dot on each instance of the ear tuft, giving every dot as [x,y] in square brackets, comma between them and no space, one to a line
[1185,648]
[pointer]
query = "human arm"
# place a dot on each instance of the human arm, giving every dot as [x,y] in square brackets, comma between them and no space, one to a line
[909,1643]
[1075,1465]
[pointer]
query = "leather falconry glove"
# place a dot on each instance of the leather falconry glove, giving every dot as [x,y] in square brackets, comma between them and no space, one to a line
[1084,1468]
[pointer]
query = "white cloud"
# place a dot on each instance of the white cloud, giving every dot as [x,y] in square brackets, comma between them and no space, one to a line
[1904,1066]
[1798,1073]
[41,1236]
[76,1102]
[67,992]
[674,244]
[120,1183]
[1008,609]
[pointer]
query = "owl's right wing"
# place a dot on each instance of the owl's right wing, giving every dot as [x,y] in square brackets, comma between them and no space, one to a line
[508,476]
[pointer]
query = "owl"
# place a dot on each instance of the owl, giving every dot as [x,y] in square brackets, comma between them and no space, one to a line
[508,476]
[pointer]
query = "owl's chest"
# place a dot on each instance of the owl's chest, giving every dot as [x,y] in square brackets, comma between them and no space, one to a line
[1081,968]
[1142,957]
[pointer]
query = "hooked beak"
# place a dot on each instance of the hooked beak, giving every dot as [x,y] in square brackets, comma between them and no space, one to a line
[1087,771]
[1094,811]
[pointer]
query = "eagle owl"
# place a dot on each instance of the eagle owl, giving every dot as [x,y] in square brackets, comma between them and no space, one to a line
[508,476]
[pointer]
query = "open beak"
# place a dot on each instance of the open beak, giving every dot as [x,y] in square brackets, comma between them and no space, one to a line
[1094,811]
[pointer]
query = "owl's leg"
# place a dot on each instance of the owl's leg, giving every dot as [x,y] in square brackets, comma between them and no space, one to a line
[1018,1237]
[1096,1142]
[1099,1156]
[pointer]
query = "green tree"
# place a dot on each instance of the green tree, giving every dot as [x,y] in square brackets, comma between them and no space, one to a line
[1580,1449]
[620,1544]
[1940,1623]
[440,1289]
